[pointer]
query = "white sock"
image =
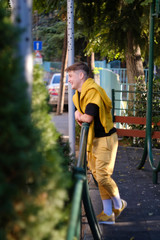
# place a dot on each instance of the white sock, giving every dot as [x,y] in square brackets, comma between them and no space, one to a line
[107,206]
[117,203]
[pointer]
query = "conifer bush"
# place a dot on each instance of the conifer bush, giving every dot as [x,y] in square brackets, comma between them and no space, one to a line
[34,176]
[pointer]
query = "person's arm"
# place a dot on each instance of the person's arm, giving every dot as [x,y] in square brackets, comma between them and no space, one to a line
[86,118]
[80,118]
[77,117]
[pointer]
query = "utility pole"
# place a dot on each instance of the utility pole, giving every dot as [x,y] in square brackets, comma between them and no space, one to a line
[70,28]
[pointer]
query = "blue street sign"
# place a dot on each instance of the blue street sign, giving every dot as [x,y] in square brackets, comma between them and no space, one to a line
[37,45]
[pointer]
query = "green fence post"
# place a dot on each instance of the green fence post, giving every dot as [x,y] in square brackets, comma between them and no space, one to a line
[78,228]
[144,156]
[82,185]
[113,104]
[148,141]
[75,206]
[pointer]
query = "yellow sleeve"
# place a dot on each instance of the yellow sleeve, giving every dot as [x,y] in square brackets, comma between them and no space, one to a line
[92,96]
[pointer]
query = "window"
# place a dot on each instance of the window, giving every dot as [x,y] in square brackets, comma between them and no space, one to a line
[56,79]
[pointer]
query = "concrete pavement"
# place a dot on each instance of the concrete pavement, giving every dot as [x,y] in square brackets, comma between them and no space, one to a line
[61,123]
[141,219]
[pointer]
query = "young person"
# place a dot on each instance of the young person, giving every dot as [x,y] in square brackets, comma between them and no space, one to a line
[94,107]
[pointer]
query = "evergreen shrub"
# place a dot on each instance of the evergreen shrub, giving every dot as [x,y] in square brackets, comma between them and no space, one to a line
[34,176]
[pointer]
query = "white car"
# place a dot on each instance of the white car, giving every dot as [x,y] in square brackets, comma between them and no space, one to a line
[53,89]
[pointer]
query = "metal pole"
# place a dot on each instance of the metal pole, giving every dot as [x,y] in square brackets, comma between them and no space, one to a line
[70,20]
[77,195]
[150,82]
[148,143]
[113,104]
[22,18]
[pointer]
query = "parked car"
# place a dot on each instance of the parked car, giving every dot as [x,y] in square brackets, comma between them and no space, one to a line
[53,89]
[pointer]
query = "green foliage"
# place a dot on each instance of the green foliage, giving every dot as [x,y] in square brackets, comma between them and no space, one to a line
[34,173]
[96,70]
[49,5]
[107,24]
[102,26]
[85,12]
[141,107]
[144,2]
[49,23]
[50,30]
[77,132]
[157,42]
[111,28]
[141,99]
[55,172]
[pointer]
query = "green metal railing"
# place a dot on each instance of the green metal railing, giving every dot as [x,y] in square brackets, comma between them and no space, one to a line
[154,11]
[148,138]
[81,193]
[128,101]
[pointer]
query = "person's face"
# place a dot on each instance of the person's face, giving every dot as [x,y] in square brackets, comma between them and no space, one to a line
[75,79]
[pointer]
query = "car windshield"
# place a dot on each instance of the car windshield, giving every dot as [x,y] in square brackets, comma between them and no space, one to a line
[56,79]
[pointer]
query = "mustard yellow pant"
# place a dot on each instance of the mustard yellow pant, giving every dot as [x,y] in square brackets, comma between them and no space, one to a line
[101,163]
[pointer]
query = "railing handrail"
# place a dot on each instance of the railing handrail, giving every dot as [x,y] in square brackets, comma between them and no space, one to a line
[122,72]
[128,100]
[81,192]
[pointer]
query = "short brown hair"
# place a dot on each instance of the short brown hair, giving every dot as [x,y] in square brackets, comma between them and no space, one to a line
[78,66]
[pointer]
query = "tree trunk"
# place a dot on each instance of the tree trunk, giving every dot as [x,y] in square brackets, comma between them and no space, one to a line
[90,62]
[60,103]
[22,18]
[134,64]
